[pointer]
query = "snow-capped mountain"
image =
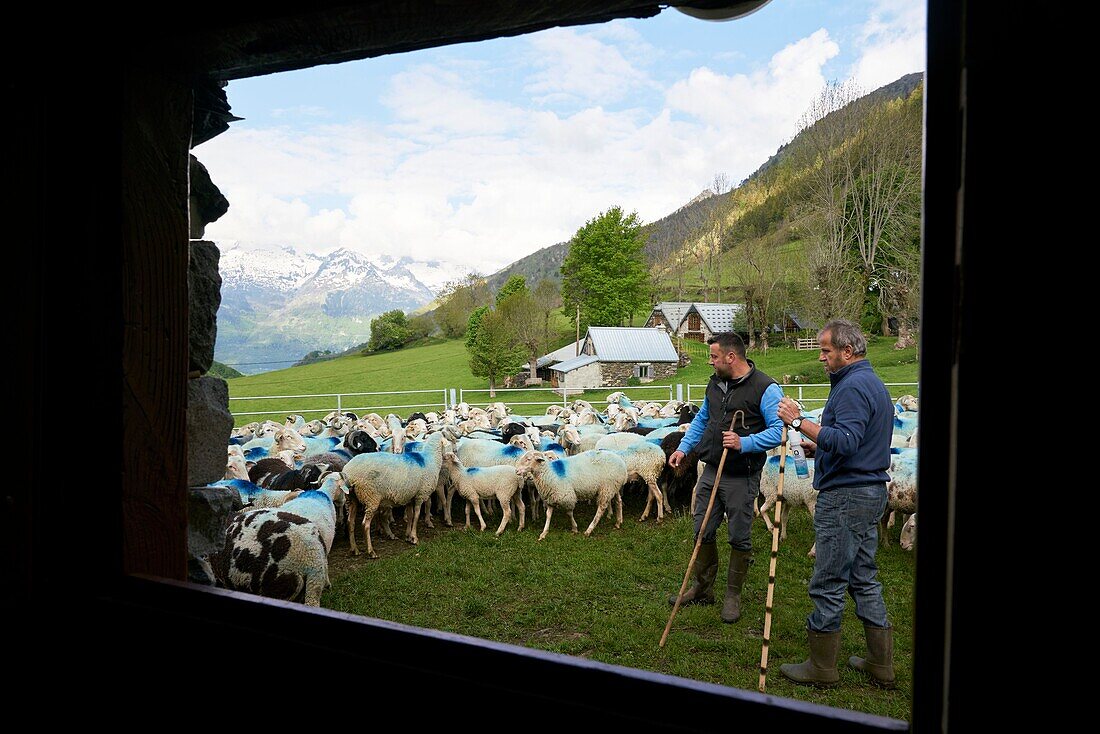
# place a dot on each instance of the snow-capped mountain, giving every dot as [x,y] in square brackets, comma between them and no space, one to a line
[278,305]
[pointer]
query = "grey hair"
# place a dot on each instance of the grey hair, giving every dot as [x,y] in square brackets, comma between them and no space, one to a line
[845,334]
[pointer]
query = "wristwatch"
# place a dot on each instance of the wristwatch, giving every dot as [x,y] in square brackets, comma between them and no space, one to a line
[796,423]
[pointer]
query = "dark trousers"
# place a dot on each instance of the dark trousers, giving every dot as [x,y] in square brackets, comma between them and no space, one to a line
[736,496]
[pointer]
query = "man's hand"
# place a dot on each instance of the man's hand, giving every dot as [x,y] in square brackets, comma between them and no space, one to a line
[675,459]
[788,410]
[731,440]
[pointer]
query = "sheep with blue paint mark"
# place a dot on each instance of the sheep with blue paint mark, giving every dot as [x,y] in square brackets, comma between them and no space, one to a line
[382,481]
[578,439]
[797,492]
[253,496]
[593,475]
[282,553]
[644,462]
[475,484]
[901,490]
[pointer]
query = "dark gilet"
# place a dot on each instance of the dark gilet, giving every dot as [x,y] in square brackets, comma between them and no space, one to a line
[743,394]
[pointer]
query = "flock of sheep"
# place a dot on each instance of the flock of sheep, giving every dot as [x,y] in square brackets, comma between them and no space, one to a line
[299,480]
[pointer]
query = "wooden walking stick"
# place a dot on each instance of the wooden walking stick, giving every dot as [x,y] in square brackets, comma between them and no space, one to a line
[702,528]
[771,566]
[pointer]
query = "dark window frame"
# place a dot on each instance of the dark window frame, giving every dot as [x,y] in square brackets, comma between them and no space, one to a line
[104,607]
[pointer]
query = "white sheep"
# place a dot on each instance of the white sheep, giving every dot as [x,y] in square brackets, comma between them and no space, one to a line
[382,481]
[644,462]
[474,484]
[577,440]
[797,492]
[909,533]
[282,552]
[236,467]
[593,475]
[901,490]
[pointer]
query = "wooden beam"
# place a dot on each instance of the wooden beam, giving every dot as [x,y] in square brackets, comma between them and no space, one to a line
[157,130]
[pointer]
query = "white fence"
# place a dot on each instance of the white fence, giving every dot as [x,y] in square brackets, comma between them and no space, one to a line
[567,395]
[340,403]
[442,398]
[800,389]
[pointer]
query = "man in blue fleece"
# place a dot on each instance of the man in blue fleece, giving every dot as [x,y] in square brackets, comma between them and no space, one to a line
[850,462]
[736,385]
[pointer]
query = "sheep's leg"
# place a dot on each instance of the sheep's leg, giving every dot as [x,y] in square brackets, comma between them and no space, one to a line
[813,550]
[427,505]
[412,526]
[884,535]
[447,504]
[812,507]
[783,520]
[618,500]
[521,509]
[572,521]
[477,510]
[314,586]
[600,509]
[546,529]
[890,520]
[353,510]
[387,523]
[368,515]
[468,503]
[655,494]
[769,503]
[444,504]
[506,504]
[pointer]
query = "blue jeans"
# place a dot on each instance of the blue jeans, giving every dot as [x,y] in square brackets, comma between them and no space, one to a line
[846,525]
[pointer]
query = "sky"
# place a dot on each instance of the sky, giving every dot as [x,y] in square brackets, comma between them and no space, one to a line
[474,155]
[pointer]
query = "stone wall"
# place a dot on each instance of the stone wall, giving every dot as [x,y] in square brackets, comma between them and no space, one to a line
[587,376]
[617,373]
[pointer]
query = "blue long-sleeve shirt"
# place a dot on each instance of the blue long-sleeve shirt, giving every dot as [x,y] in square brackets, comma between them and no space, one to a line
[853,446]
[769,438]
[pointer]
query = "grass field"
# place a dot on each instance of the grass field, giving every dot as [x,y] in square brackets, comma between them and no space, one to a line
[604,598]
[444,364]
[601,597]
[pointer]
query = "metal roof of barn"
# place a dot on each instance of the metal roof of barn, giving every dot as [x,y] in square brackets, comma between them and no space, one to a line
[673,310]
[569,351]
[717,316]
[572,364]
[632,344]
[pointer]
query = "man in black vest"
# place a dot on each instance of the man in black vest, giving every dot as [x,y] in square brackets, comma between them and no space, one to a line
[737,391]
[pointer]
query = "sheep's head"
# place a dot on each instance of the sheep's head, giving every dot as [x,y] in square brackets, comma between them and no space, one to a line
[522,440]
[909,533]
[615,397]
[288,438]
[359,442]
[554,410]
[531,463]
[397,444]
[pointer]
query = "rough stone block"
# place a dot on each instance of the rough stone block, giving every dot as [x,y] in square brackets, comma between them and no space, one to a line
[204,296]
[208,426]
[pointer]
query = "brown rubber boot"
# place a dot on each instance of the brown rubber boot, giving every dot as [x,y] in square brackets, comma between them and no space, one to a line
[706,570]
[735,579]
[880,656]
[820,668]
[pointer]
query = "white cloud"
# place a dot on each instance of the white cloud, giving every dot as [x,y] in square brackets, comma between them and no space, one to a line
[749,115]
[302,111]
[580,68]
[891,43]
[477,182]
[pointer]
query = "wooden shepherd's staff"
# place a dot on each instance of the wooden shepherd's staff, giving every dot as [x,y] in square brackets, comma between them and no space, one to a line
[771,566]
[703,527]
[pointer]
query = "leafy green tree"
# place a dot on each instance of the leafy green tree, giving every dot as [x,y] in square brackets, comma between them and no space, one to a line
[420,327]
[473,324]
[457,299]
[528,316]
[493,352]
[388,331]
[605,272]
[515,284]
